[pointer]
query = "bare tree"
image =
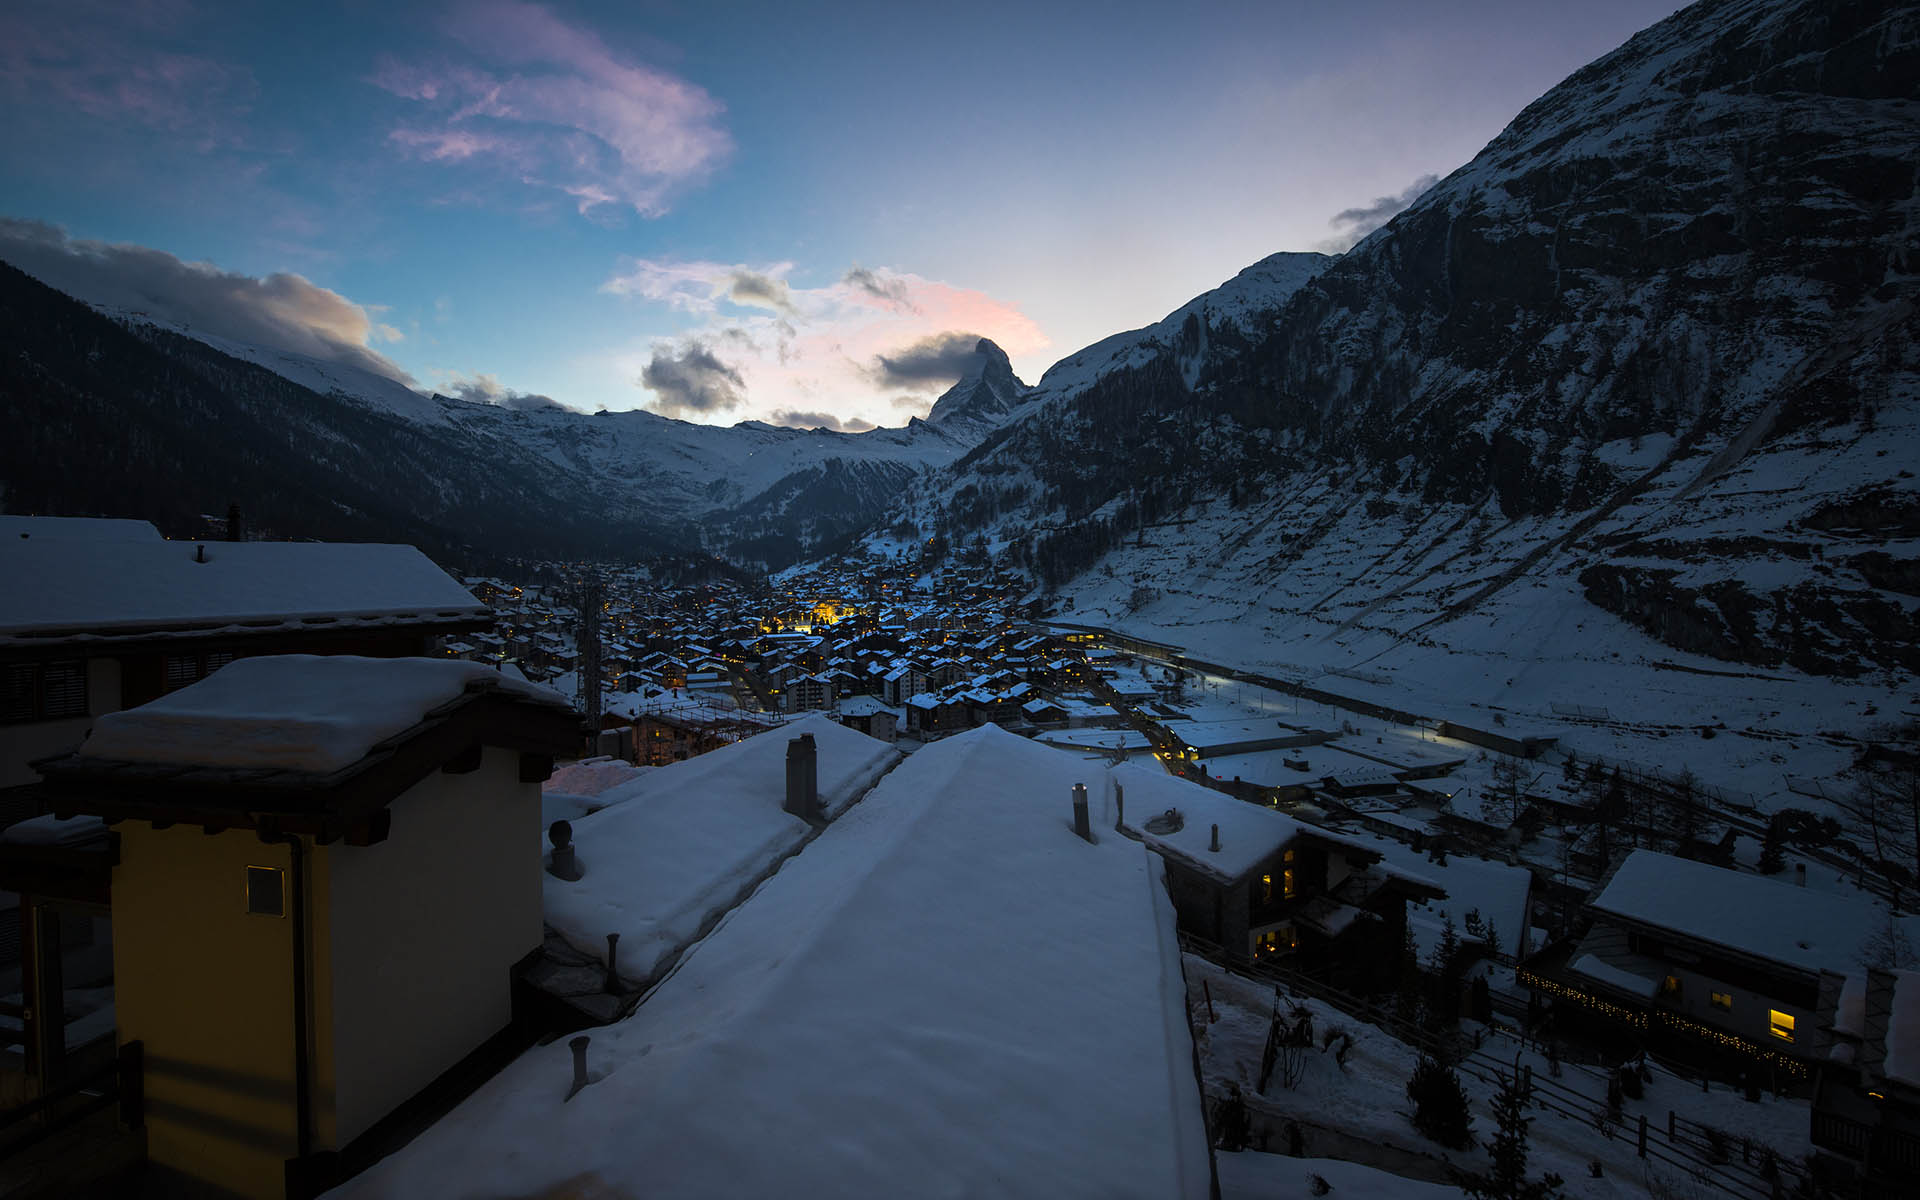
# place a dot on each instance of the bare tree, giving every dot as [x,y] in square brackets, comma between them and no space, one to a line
[1883,813]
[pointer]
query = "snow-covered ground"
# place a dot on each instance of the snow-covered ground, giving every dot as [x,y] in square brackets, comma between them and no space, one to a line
[1361,1112]
[946,993]
[667,852]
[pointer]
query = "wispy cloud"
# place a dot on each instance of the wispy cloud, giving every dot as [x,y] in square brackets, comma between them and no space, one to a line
[856,350]
[280,311]
[1356,223]
[552,105]
[123,63]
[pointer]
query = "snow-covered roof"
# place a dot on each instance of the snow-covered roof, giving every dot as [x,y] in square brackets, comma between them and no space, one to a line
[1779,922]
[310,713]
[1249,833]
[1497,891]
[75,529]
[101,589]
[945,994]
[671,849]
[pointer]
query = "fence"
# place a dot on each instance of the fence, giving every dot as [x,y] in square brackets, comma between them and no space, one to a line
[1680,1144]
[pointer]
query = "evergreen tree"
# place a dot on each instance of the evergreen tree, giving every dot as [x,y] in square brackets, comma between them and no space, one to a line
[1508,1147]
[1439,1104]
[1773,858]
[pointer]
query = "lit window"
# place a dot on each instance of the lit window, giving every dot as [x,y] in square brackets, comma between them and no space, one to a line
[1670,986]
[1286,883]
[1266,889]
[1780,1024]
[1721,1000]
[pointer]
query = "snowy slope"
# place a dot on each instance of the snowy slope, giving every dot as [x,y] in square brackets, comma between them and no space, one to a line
[1623,414]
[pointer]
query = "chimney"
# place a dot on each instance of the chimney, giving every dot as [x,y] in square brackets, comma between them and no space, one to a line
[1214,845]
[200,553]
[236,529]
[1800,873]
[612,987]
[1119,806]
[1081,825]
[803,778]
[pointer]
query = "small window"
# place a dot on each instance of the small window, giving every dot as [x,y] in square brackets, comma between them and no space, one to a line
[1721,1000]
[1266,889]
[1287,888]
[1780,1024]
[266,891]
[1670,986]
[46,691]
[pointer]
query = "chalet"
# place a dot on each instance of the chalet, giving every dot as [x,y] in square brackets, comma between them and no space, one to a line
[1258,882]
[902,684]
[868,715]
[117,616]
[1866,1100]
[1723,966]
[930,715]
[342,855]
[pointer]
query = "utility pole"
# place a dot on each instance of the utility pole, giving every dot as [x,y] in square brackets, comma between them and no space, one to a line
[587,635]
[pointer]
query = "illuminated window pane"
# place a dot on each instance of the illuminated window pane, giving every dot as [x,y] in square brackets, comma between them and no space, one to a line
[1266,887]
[1721,1000]
[1286,883]
[1780,1024]
[1670,986]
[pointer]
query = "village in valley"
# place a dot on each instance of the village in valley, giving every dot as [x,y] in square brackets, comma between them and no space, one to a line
[1229,921]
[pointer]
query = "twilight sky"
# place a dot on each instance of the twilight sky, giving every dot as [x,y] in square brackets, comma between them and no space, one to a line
[726,211]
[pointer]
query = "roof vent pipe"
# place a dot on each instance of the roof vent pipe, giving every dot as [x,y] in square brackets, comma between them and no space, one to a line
[1215,845]
[200,553]
[1119,806]
[1800,874]
[565,863]
[580,1080]
[1081,825]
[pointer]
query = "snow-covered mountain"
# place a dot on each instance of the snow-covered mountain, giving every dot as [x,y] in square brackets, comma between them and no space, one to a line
[318,448]
[1642,378]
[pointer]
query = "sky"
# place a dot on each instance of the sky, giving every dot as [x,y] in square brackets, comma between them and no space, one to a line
[803,214]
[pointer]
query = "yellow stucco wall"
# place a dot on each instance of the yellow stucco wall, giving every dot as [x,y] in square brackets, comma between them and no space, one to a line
[208,988]
[423,930]
[410,944]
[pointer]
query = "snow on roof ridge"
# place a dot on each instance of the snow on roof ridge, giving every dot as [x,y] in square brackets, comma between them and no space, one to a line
[315,714]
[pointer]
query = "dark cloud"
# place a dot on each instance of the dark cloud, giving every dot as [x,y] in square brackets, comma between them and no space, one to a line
[280,311]
[799,419]
[693,381]
[880,287]
[1357,223]
[751,287]
[941,358]
[485,389]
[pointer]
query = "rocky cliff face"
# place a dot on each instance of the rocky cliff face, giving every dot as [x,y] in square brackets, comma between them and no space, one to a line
[1653,348]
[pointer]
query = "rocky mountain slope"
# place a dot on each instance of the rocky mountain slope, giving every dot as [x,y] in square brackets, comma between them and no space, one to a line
[1642,376]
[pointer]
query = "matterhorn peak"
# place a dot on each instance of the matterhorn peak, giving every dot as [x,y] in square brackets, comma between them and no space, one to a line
[985,393]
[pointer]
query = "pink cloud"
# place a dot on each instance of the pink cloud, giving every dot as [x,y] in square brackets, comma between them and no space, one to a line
[108,61]
[814,351]
[635,134]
